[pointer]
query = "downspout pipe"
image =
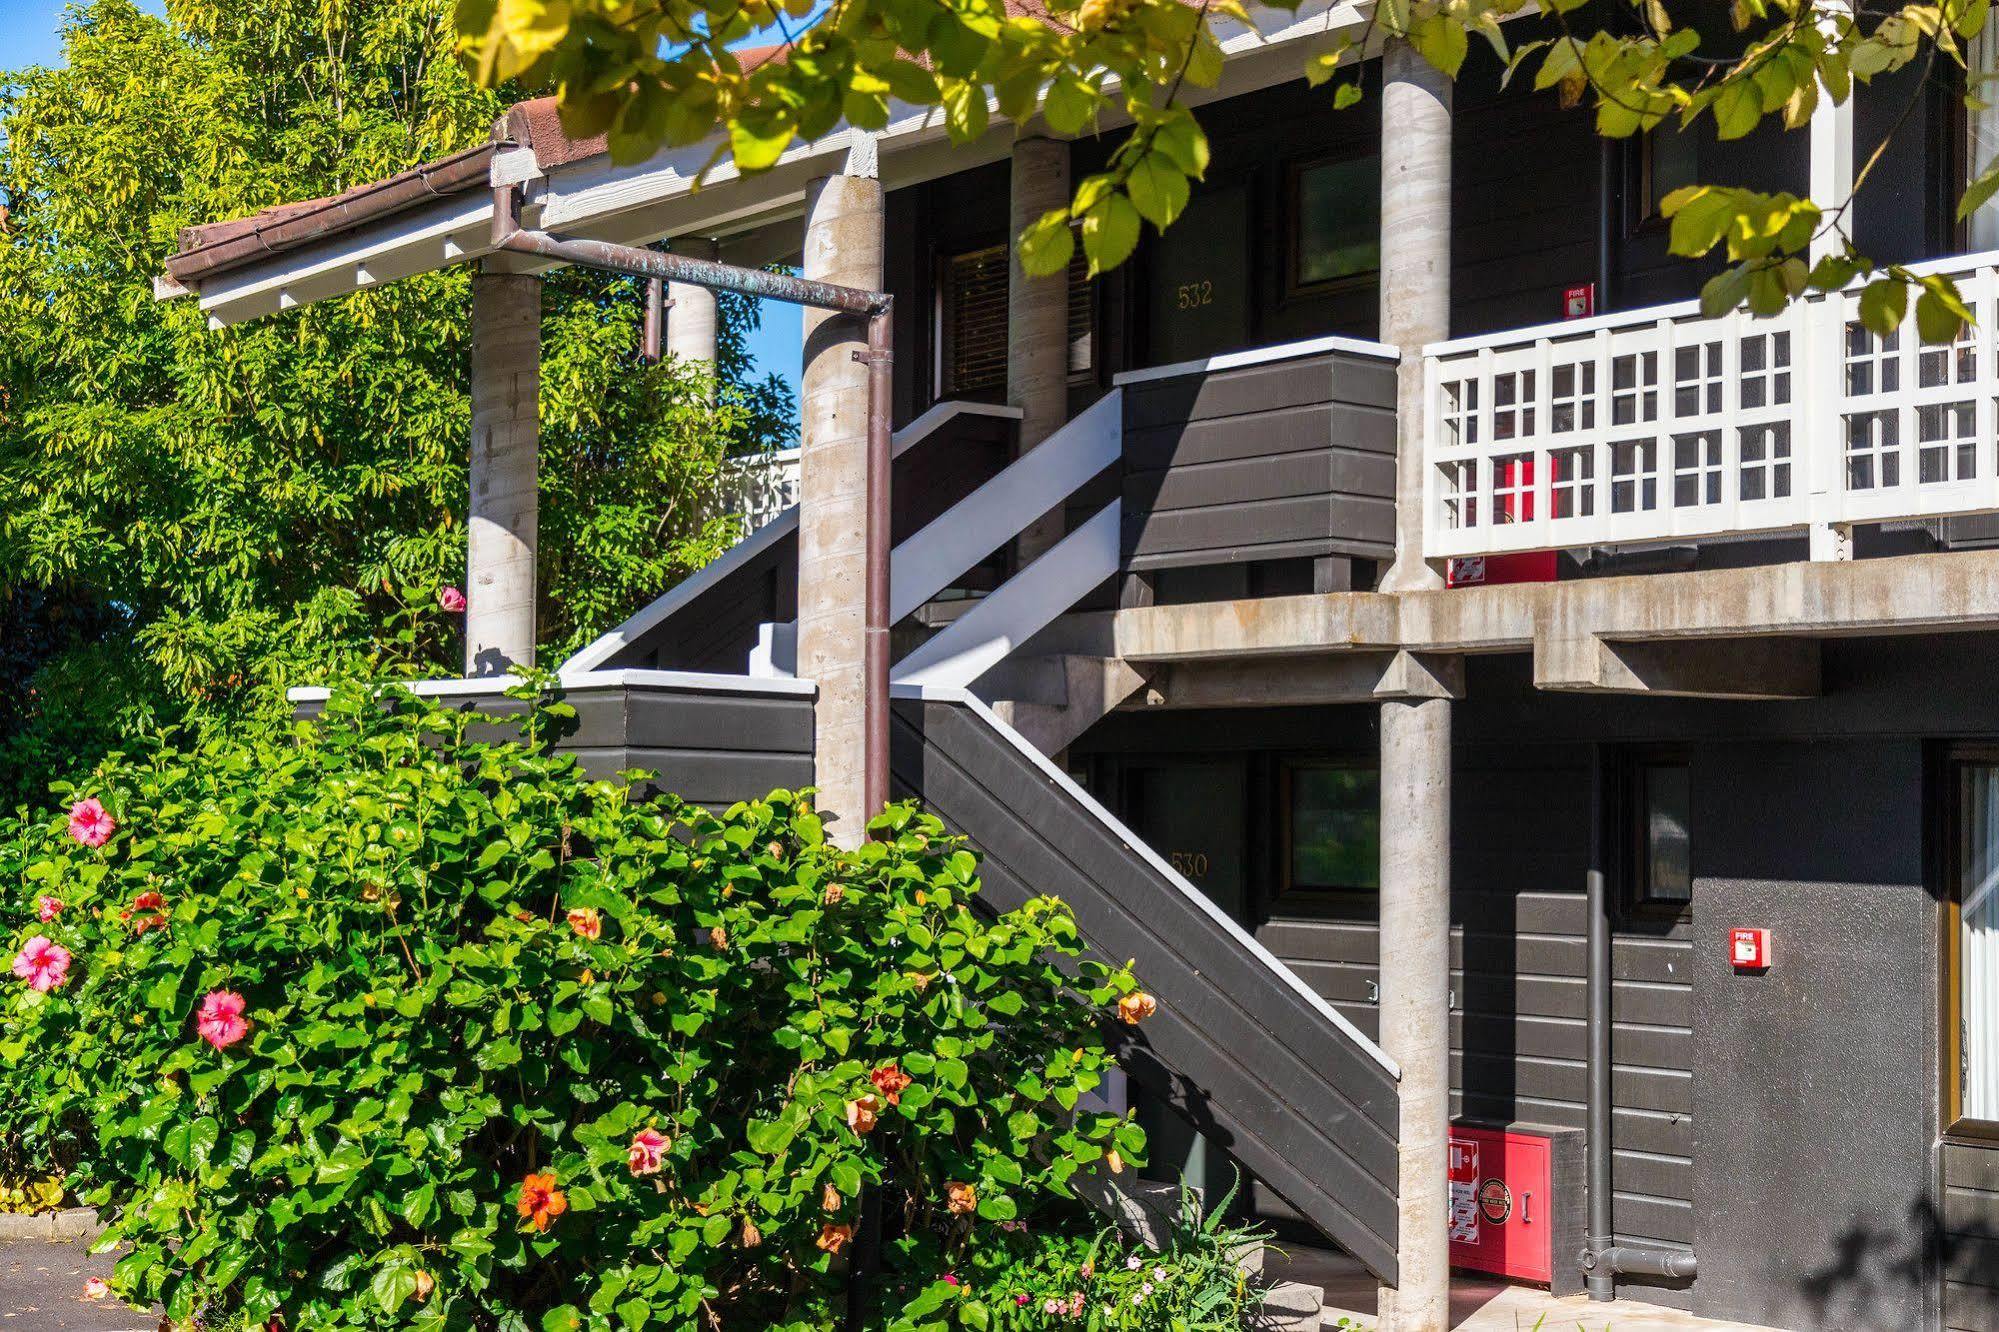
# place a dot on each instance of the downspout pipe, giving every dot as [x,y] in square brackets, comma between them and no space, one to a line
[1598,1238]
[1603,1259]
[875,307]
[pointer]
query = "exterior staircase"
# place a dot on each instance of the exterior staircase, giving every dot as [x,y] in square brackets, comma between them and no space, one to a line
[1241,1047]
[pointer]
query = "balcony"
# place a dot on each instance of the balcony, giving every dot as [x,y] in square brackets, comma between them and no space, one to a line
[1659,425]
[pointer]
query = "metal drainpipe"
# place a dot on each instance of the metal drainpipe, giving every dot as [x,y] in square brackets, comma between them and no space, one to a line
[655,320]
[1598,1236]
[874,306]
[1603,1259]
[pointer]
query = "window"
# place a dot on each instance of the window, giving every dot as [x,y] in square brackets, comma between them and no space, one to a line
[1667,160]
[1971,951]
[1981,137]
[1663,802]
[1332,814]
[1335,221]
[971,317]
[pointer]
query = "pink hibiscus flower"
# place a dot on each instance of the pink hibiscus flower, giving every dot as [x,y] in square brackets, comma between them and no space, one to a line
[220,1021]
[42,962]
[648,1152]
[90,823]
[451,600]
[48,908]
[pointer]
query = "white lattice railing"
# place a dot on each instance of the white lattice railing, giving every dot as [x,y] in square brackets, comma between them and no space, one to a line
[761,486]
[1658,424]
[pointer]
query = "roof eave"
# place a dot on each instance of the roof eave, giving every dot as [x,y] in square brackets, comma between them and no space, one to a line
[468,169]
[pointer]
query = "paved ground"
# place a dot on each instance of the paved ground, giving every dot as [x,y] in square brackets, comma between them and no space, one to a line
[41,1288]
[1484,1306]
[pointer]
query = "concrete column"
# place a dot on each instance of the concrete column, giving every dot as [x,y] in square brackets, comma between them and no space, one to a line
[1416,735]
[691,319]
[1415,997]
[500,545]
[1037,318]
[1415,274]
[843,243]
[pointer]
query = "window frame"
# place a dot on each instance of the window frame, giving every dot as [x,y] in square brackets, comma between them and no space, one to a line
[1950,953]
[1341,902]
[1293,208]
[1082,297]
[1638,901]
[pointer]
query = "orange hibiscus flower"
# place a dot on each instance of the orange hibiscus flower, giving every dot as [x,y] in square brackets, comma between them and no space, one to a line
[541,1202]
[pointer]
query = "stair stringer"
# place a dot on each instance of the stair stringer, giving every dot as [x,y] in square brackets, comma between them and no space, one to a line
[1241,1047]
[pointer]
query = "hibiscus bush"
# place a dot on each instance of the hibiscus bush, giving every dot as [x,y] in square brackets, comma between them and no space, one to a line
[397,1019]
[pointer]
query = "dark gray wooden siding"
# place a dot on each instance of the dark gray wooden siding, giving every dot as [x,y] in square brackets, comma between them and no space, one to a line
[716,629]
[1968,1251]
[1239,1053]
[711,747]
[1283,459]
[1518,961]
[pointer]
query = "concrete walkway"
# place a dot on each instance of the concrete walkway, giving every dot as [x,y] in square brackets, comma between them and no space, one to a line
[41,1288]
[1479,1305]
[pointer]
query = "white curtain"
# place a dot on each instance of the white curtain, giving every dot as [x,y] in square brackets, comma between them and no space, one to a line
[1981,140]
[1978,971]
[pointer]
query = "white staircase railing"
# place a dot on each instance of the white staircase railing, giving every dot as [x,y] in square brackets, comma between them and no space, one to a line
[1019,608]
[1002,508]
[980,524]
[757,542]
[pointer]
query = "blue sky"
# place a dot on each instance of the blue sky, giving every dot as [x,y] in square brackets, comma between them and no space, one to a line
[28,37]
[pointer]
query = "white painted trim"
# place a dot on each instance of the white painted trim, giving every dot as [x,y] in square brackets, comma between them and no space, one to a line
[1021,607]
[1287,351]
[1651,314]
[1049,771]
[1566,328]
[430,236]
[1001,509]
[603,649]
[698,682]
[588,197]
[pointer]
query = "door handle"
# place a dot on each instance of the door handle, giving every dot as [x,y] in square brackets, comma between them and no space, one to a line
[1526,1208]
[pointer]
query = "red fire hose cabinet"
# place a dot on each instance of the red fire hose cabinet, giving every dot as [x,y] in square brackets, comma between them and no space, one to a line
[1517,1202]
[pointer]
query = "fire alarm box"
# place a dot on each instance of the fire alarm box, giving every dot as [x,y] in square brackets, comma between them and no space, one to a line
[1516,1199]
[1579,302]
[1749,949]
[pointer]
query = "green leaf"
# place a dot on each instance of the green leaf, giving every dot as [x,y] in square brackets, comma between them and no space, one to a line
[1940,313]
[342,1165]
[1110,233]
[504,1052]
[1047,244]
[1883,303]
[1737,107]
[392,1285]
[419,1204]
[1158,189]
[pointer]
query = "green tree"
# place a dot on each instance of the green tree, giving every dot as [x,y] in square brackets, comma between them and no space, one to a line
[191,519]
[653,72]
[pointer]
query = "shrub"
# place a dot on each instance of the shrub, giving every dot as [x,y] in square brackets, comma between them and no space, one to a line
[1080,1282]
[390,1019]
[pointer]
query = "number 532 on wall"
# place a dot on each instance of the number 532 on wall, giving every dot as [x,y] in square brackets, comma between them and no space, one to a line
[1193,295]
